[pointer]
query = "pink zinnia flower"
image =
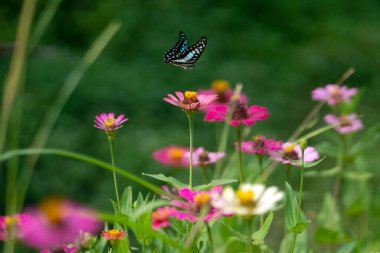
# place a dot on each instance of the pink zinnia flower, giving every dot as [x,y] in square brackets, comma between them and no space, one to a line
[190,101]
[56,222]
[108,123]
[172,156]
[17,220]
[260,145]
[333,94]
[114,234]
[350,122]
[293,151]
[222,89]
[161,217]
[241,115]
[201,157]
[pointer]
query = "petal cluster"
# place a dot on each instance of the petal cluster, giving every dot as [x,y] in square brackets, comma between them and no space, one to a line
[114,234]
[333,94]
[108,123]
[349,123]
[201,157]
[292,151]
[172,156]
[260,145]
[190,101]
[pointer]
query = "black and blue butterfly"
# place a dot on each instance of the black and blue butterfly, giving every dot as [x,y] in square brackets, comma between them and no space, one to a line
[182,55]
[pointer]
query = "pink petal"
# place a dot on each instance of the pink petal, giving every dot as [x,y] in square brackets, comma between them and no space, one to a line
[179,95]
[104,116]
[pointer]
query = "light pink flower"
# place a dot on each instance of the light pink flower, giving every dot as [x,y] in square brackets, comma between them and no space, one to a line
[241,115]
[260,145]
[160,217]
[17,220]
[108,123]
[190,101]
[172,156]
[201,157]
[58,221]
[293,151]
[333,94]
[350,122]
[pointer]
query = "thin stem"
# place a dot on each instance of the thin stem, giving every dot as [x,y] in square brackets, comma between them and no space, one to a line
[249,224]
[191,128]
[338,179]
[288,169]
[110,141]
[261,169]
[238,137]
[210,240]
[205,174]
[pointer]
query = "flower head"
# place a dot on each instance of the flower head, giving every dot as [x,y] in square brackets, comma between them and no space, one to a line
[161,217]
[248,200]
[64,249]
[114,234]
[334,94]
[108,123]
[17,220]
[201,157]
[173,156]
[292,151]
[260,145]
[241,114]
[58,221]
[350,122]
[190,101]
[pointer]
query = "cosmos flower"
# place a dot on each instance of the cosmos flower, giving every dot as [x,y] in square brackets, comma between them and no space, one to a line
[333,94]
[190,101]
[350,122]
[241,114]
[114,234]
[260,145]
[172,156]
[108,123]
[201,157]
[248,200]
[293,151]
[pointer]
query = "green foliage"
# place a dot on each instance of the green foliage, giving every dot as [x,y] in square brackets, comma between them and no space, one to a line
[292,223]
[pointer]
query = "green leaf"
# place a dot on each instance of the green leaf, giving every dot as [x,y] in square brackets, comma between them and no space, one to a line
[259,236]
[215,182]
[291,207]
[140,210]
[238,235]
[358,175]
[171,180]
[323,173]
[126,201]
[347,248]
[307,165]
[300,226]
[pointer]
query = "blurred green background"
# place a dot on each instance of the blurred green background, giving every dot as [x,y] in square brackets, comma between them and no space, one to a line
[279,50]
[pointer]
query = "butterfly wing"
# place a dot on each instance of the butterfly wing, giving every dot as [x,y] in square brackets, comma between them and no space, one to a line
[181,46]
[188,58]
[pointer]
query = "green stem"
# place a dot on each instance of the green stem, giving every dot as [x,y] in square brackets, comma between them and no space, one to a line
[110,141]
[288,168]
[260,158]
[210,240]
[238,137]
[205,174]
[191,128]
[249,224]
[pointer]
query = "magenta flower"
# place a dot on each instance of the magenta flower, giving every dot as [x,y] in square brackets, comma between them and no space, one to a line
[172,156]
[201,157]
[190,101]
[241,115]
[333,94]
[260,145]
[18,221]
[58,221]
[293,151]
[64,249]
[350,122]
[161,217]
[108,123]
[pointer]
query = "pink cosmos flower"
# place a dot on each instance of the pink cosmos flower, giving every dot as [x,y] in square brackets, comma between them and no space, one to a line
[108,123]
[58,221]
[350,122]
[241,115]
[333,94]
[172,156]
[293,151]
[161,217]
[222,89]
[17,220]
[64,248]
[190,101]
[114,234]
[201,157]
[260,145]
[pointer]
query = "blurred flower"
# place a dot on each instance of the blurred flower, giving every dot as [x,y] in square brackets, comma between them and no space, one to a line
[17,220]
[203,158]
[190,101]
[64,249]
[172,156]
[58,221]
[333,94]
[350,122]
[222,89]
[87,240]
[108,123]
[114,234]
[241,114]
[248,200]
[161,217]
[260,145]
[293,151]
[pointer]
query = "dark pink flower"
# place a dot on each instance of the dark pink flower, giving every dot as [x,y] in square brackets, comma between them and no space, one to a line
[260,145]
[333,94]
[173,156]
[350,122]
[64,248]
[58,221]
[293,151]
[190,101]
[161,217]
[201,157]
[241,115]
[18,221]
[108,123]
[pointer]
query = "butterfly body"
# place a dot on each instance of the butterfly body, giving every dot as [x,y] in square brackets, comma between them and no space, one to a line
[184,56]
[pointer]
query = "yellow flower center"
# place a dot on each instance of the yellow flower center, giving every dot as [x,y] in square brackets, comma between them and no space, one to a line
[201,199]
[11,220]
[53,210]
[246,197]
[176,154]
[220,86]
[190,96]
[256,138]
[110,122]
[289,148]
[114,232]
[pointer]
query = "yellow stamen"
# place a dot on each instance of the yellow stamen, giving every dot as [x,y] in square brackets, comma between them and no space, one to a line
[11,220]
[256,138]
[220,86]
[190,95]
[344,119]
[114,232]
[110,122]
[246,197]
[201,199]
[53,209]
[176,153]
[289,148]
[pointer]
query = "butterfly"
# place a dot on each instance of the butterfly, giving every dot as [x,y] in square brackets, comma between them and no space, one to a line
[182,55]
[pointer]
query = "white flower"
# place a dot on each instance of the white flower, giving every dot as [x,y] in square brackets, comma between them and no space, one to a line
[249,199]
